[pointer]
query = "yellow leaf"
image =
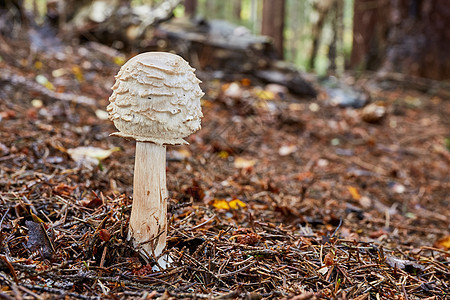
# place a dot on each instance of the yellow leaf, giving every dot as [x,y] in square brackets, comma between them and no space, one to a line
[119,60]
[36,218]
[265,95]
[38,65]
[444,243]
[227,205]
[236,203]
[354,192]
[223,154]
[76,70]
[49,85]
[41,79]
[206,103]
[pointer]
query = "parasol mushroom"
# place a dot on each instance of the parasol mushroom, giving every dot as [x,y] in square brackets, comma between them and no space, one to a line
[155,101]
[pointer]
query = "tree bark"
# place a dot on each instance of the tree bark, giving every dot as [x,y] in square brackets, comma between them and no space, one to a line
[370,29]
[323,7]
[237,8]
[190,8]
[419,42]
[404,36]
[273,23]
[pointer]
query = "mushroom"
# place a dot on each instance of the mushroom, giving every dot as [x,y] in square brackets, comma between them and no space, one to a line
[156,102]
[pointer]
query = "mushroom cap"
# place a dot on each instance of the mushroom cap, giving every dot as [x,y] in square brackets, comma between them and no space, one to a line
[156,98]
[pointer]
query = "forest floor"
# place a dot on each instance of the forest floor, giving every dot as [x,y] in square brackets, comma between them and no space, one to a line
[275,197]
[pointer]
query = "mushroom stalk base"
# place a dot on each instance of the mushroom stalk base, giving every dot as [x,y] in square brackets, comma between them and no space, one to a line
[148,221]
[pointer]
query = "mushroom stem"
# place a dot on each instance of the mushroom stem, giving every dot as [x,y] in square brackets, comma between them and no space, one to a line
[148,221]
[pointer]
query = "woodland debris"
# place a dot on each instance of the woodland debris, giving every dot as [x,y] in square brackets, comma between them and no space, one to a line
[230,51]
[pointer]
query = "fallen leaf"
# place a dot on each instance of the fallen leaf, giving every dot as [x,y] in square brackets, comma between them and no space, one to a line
[35,218]
[119,60]
[93,203]
[37,103]
[329,259]
[180,154]
[354,192]
[365,202]
[38,65]
[104,235]
[246,236]
[323,270]
[278,90]
[236,203]
[41,79]
[398,188]
[246,82]
[76,70]
[38,239]
[227,205]
[232,90]
[101,114]
[443,243]
[59,72]
[242,163]
[374,112]
[223,154]
[90,156]
[287,149]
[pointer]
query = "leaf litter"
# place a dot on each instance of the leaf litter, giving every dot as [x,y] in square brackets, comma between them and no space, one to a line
[275,198]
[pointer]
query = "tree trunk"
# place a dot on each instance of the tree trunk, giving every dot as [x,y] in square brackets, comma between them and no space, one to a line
[273,23]
[322,7]
[370,27]
[237,8]
[406,36]
[419,42]
[190,8]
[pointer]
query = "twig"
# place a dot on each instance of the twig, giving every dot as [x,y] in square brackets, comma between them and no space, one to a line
[4,216]
[204,268]
[237,271]
[201,224]
[10,267]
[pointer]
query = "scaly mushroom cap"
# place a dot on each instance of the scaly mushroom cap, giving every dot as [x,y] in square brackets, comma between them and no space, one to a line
[156,98]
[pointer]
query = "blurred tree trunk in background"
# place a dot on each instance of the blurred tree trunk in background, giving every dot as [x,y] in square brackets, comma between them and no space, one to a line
[406,36]
[322,7]
[237,8]
[272,24]
[215,9]
[419,42]
[190,8]
[370,30]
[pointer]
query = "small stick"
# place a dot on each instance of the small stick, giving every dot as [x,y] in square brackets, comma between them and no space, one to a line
[10,267]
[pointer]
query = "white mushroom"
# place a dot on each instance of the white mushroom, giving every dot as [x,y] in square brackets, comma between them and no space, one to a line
[155,101]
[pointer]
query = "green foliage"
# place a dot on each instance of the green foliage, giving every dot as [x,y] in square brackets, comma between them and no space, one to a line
[447,143]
